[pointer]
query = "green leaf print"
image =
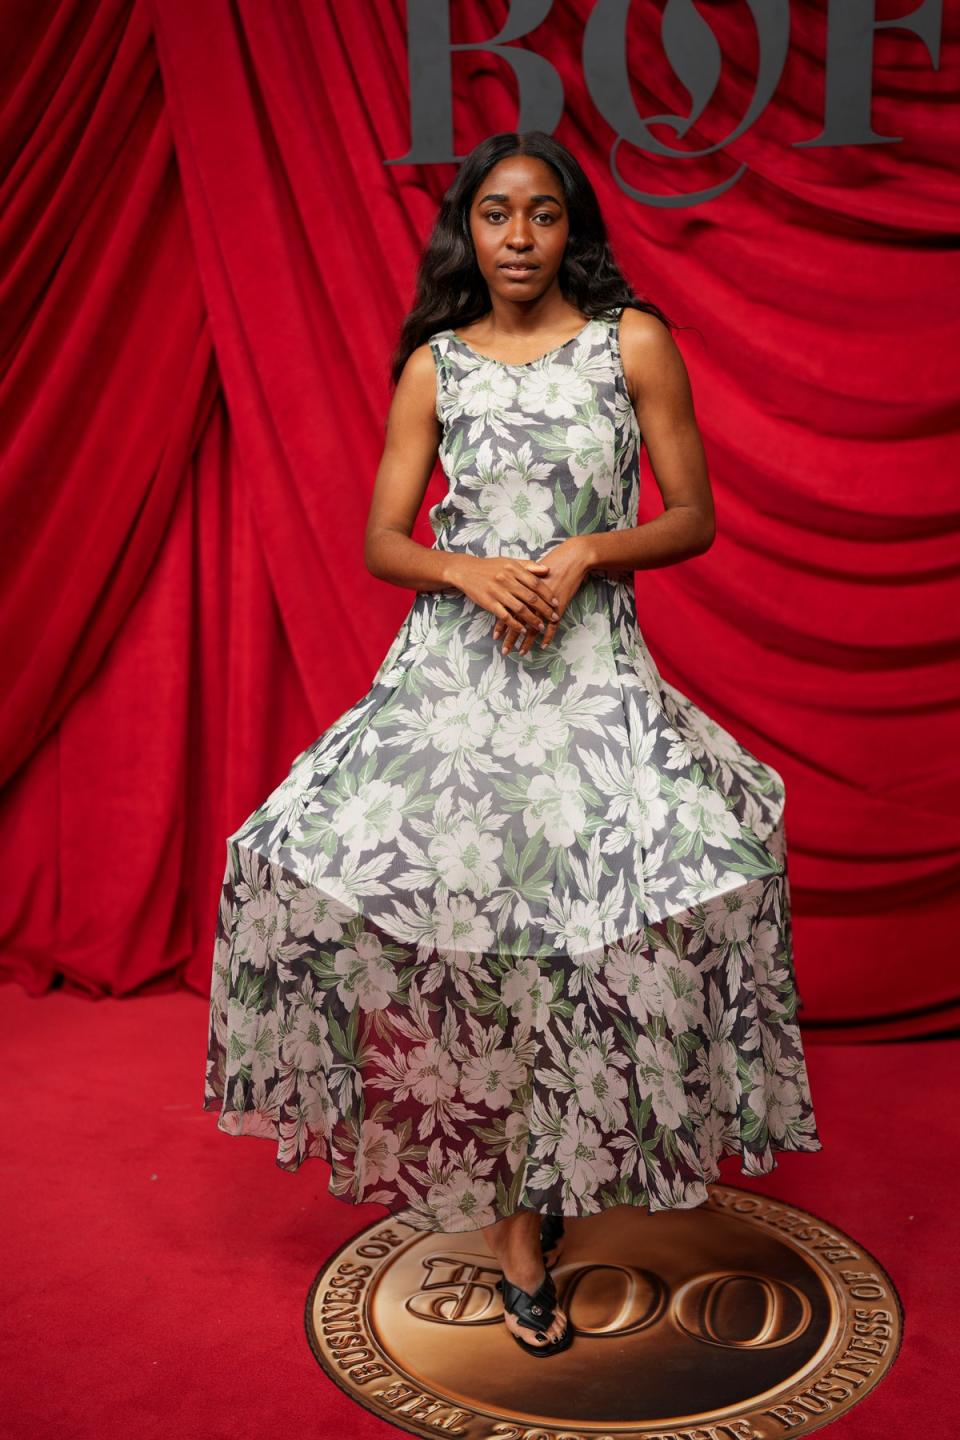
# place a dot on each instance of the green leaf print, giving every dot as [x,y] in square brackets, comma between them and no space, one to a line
[453,833]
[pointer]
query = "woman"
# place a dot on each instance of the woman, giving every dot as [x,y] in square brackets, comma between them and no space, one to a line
[512,939]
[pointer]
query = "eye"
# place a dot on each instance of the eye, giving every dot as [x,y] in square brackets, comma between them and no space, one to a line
[541,215]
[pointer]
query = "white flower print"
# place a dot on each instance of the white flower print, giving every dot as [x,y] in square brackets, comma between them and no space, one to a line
[765,939]
[368,977]
[526,992]
[492,1078]
[632,974]
[319,916]
[659,1077]
[487,390]
[680,1194]
[776,1099]
[305,1045]
[377,1157]
[585,1163]
[528,733]
[515,931]
[681,992]
[461,1198]
[516,508]
[647,810]
[587,648]
[460,723]
[465,857]
[580,931]
[553,390]
[705,883]
[259,925]
[371,817]
[317,1108]
[592,461]
[432,1073]
[713,738]
[516,1132]
[712,1133]
[731,916]
[725,1084]
[704,812]
[462,931]
[601,1088]
[556,805]
[253,1042]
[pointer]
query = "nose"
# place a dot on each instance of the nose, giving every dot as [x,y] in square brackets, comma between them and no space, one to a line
[519,237]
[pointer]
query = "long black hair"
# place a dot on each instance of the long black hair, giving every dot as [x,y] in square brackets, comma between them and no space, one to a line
[450,289]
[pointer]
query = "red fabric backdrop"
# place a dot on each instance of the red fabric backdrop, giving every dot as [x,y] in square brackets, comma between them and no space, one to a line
[207,265]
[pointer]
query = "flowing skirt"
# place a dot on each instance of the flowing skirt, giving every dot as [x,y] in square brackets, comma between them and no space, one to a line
[514,932]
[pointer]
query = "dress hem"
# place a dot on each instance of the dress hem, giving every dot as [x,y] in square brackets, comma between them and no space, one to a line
[262,1129]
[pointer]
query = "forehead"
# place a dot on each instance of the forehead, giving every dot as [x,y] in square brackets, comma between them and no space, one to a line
[520,178]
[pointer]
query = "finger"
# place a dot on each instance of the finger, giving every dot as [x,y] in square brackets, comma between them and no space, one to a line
[508,619]
[512,640]
[532,637]
[534,593]
[546,587]
[534,609]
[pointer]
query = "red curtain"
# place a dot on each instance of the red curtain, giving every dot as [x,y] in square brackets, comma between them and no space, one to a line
[208,262]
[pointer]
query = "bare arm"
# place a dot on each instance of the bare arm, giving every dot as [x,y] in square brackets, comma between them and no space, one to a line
[663,404]
[413,434]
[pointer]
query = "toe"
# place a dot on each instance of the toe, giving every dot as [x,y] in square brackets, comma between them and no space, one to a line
[531,1337]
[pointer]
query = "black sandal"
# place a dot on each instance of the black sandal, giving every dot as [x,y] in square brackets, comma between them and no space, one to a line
[551,1230]
[536,1312]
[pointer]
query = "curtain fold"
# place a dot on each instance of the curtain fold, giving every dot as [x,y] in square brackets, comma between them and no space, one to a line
[208,262]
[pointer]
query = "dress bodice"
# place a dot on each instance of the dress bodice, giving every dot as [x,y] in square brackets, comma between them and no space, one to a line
[537,451]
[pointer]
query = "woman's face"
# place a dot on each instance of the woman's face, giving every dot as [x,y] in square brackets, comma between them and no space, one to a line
[519,225]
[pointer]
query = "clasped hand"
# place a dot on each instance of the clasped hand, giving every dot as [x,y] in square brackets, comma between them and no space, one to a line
[528,597]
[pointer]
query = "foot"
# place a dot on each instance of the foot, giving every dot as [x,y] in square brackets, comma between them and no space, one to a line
[530,1278]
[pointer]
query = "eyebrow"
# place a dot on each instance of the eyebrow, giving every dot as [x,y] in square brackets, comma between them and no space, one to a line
[534,199]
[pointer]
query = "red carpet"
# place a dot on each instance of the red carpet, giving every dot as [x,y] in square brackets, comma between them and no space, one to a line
[155,1270]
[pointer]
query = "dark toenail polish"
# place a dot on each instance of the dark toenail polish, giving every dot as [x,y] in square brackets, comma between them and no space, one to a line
[540,1335]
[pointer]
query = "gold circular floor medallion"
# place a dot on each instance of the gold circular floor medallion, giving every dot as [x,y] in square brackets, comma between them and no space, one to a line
[741,1319]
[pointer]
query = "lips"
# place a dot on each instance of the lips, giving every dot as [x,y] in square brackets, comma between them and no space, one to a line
[517,265]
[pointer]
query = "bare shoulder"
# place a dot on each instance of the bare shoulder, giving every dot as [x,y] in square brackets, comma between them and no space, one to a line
[649,353]
[416,392]
[419,369]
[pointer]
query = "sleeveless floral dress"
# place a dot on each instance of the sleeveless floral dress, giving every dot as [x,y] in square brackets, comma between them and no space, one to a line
[514,932]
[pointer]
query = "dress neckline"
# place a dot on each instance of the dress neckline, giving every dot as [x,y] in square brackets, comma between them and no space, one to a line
[524,364]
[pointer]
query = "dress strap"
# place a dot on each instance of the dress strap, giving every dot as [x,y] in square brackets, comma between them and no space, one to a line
[612,321]
[439,343]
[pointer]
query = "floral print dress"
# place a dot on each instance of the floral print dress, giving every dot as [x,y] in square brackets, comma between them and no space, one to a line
[514,932]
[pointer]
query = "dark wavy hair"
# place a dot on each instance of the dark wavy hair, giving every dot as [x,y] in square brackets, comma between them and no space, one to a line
[450,289]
